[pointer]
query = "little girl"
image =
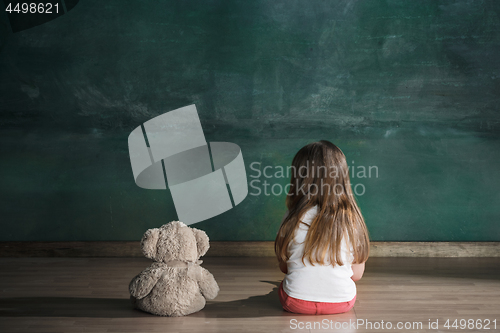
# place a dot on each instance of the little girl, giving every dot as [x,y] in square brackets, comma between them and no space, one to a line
[322,243]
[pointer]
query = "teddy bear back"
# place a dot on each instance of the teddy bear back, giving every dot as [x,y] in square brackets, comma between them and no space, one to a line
[174,241]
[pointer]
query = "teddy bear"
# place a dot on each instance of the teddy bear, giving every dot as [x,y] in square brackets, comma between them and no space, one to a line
[175,284]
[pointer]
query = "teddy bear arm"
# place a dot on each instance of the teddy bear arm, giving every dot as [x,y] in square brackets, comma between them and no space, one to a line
[142,284]
[208,286]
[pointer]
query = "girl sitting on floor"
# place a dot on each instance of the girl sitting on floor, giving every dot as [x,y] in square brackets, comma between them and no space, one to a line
[322,243]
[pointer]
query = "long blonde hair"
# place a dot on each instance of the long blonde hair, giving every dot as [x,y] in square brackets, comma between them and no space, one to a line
[325,184]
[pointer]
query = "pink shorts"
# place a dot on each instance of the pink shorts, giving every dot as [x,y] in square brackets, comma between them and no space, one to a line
[295,305]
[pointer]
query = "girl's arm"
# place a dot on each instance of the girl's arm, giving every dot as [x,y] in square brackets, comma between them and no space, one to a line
[358,270]
[283,267]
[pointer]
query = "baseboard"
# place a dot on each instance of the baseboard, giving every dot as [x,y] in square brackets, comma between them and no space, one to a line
[244,249]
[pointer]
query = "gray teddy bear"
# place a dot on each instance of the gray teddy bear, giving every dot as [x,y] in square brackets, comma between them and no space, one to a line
[175,284]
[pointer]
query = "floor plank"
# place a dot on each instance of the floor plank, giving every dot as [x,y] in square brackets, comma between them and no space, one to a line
[90,295]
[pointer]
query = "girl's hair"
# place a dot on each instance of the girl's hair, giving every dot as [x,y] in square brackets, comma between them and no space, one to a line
[320,176]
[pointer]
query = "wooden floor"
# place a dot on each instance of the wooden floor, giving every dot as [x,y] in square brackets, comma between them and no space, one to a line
[90,295]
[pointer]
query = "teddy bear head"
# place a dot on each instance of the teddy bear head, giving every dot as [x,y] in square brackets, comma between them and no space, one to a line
[174,241]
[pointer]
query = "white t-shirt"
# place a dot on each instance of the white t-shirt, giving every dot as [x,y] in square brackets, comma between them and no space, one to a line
[318,283]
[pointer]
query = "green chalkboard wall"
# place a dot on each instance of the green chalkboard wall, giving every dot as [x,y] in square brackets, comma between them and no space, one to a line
[409,88]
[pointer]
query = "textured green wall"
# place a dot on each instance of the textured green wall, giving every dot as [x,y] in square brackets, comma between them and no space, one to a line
[411,87]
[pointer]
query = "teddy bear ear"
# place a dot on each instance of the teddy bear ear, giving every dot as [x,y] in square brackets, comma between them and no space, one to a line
[202,241]
[148,242]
